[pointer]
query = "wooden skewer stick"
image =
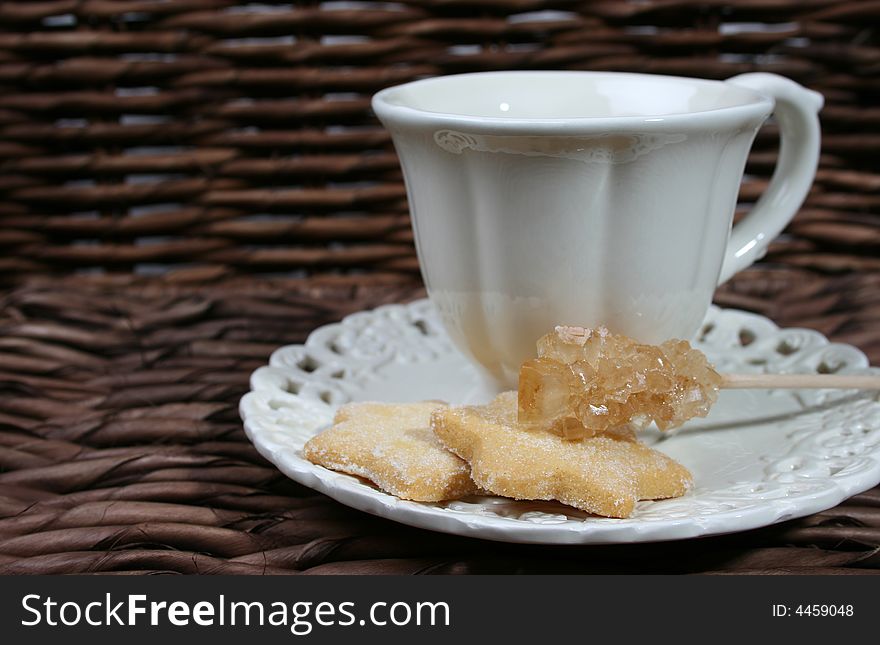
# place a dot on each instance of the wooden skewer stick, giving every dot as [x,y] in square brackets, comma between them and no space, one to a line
[801,381]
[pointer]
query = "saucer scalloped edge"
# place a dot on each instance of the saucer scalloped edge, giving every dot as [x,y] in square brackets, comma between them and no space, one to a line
[761,457]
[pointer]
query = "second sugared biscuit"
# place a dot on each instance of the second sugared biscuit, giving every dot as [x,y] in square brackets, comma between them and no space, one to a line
[392,445]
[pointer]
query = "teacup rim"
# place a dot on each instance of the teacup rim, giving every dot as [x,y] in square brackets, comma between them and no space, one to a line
[756,109]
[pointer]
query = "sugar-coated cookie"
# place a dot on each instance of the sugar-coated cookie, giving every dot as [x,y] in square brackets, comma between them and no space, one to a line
[605,474]
[393,446]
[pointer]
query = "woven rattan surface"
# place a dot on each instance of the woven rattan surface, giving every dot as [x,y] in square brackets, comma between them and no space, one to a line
[138,135]
[121,449]
[166,168]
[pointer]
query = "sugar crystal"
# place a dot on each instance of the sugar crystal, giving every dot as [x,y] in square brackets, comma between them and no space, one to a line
[587,382]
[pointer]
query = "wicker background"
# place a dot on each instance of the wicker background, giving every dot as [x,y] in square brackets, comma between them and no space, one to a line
[137,134]
[186,185]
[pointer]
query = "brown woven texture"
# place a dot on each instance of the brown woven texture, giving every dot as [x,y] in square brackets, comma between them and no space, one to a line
[185,186]
[121,449]
[138,135]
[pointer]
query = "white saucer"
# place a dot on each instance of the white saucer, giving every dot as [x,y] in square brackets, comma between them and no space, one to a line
[761,457]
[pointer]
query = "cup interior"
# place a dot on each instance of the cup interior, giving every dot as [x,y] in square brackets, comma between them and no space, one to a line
[566,95]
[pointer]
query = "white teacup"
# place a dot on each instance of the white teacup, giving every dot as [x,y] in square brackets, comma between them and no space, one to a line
[586,198]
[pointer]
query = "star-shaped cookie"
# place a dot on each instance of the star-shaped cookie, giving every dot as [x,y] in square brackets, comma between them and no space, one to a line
[392,445]
[605,474]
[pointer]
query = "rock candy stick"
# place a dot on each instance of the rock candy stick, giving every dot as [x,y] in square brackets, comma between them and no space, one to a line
[801,381]
[586,382]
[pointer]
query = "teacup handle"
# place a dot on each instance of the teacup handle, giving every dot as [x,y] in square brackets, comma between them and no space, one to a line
[796,112]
